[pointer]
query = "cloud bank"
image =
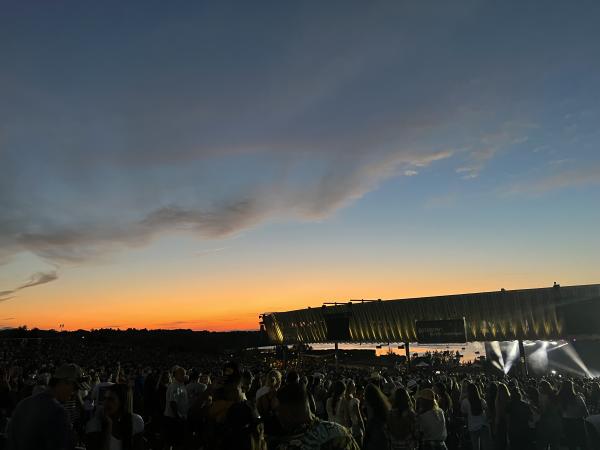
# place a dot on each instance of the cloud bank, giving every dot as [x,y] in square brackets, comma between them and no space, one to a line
[199,121]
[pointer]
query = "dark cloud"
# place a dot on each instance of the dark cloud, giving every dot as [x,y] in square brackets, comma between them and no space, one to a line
[35,280]
[339,186]
[184,122]
[39,278]
[6,295]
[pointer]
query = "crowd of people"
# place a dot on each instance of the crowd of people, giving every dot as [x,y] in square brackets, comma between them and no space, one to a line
[78,399]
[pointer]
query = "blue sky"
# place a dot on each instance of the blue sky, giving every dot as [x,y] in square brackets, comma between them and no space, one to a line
[456,142]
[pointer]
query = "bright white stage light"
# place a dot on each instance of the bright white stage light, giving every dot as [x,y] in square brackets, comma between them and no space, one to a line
[572,353]
[561,345]
[499,363]
[538,360]
[512,354]
[553,372]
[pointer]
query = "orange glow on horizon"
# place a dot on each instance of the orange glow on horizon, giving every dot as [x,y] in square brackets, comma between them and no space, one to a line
[218,306]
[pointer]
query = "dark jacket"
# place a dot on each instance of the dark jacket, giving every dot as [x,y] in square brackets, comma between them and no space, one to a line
[40,422]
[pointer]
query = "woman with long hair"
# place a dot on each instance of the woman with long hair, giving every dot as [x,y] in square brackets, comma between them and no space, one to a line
[266,402]
[336,406]
[473,406]
[402,421]
[431,422]
[501,417]
[574,411]
[378,409]
[357,426]
[549,426]
[115,427]
[443,398]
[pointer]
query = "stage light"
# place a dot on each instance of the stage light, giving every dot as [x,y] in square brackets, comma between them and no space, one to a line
[568,369]
[572,353]
[553,372]
[561,345]
[538,360]
[512,354]
[499,362]
[497,365]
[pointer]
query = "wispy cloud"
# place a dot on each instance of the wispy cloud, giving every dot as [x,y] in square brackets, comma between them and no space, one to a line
[479,158]
[39,278]
[344,183]
[35,280]
[210,251]
[426,160]
[487,146]
[577,177]
[558,162]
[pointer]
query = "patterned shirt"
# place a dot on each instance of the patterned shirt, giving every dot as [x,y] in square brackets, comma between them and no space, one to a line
[319,435]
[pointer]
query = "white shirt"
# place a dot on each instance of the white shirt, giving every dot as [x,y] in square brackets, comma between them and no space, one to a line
[433,425]
[474,423]
[176,392]
[95,426]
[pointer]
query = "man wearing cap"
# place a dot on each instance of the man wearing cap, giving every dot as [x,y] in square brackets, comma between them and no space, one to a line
[41,422]
[431,421]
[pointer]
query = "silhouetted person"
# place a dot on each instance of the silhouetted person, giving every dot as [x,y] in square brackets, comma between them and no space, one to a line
[176,409]
[41,422]
[378,410]
[574,411]
[519,416]
[473,406]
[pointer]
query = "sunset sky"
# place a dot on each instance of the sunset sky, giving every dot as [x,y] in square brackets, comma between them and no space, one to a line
[193,164]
